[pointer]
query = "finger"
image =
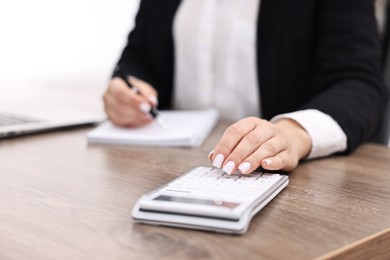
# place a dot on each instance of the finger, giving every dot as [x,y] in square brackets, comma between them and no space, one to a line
[146,89]
[125,95]
[210,155]
[231,138]
[249,145]
[123,111]
[269,148]
[110,102]
[133,101]
[132,121]
[120,91]
[124,115]
[281,161]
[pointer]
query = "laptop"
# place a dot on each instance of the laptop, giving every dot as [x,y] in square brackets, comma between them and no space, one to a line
[41,112]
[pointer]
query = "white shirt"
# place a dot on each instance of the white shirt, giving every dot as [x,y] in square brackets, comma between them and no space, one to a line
[216,66]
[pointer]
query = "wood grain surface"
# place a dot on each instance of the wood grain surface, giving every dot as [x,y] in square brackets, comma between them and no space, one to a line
[372,247]
[61,198]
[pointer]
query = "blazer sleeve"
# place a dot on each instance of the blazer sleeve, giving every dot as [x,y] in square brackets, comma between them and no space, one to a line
[348,80]
[134,59]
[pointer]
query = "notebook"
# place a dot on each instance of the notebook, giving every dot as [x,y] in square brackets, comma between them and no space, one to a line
[188,128]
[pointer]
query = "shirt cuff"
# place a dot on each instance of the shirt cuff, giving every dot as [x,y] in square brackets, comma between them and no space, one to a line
[326,134]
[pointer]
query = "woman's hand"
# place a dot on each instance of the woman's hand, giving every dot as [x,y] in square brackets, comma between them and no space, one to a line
[253,142]
[124,107]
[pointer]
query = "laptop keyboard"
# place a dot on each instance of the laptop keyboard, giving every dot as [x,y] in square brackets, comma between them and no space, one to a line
[8,119]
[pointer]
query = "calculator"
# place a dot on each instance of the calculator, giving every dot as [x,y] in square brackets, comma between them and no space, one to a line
[207,198]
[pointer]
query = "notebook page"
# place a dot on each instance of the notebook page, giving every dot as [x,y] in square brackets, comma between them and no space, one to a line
[185,128]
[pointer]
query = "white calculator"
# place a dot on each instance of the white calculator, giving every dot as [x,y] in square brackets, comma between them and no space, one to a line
[206,198]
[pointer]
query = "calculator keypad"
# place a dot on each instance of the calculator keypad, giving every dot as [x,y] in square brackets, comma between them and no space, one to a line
[213,182]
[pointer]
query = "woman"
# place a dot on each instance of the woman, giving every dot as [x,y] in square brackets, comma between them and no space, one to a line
[302,79]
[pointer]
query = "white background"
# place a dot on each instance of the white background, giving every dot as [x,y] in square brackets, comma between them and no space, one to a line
[71,42]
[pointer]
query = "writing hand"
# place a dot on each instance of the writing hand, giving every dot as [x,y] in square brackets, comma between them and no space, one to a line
[124,107]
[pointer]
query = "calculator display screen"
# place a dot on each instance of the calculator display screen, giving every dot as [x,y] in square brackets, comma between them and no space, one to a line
[217,203]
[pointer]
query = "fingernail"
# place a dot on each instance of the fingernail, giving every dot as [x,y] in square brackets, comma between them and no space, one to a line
[153,99]
[229,166]
[268,161]
[218,160]
[244,167]
[145,107]
[210,155]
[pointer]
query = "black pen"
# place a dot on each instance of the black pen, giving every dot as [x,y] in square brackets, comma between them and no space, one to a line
[153,111]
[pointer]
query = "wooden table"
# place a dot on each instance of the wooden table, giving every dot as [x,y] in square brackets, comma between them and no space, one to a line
[61,198]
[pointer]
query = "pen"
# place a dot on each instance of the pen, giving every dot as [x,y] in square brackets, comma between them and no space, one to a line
[153,111]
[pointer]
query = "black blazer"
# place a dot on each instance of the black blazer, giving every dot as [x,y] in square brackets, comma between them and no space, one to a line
[320,54]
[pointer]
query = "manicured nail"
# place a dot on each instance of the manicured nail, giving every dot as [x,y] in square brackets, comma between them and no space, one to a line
[153,99]
[229,166]
[210,155]
[244,167]
[268,161]
[145,107]
[218,160]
